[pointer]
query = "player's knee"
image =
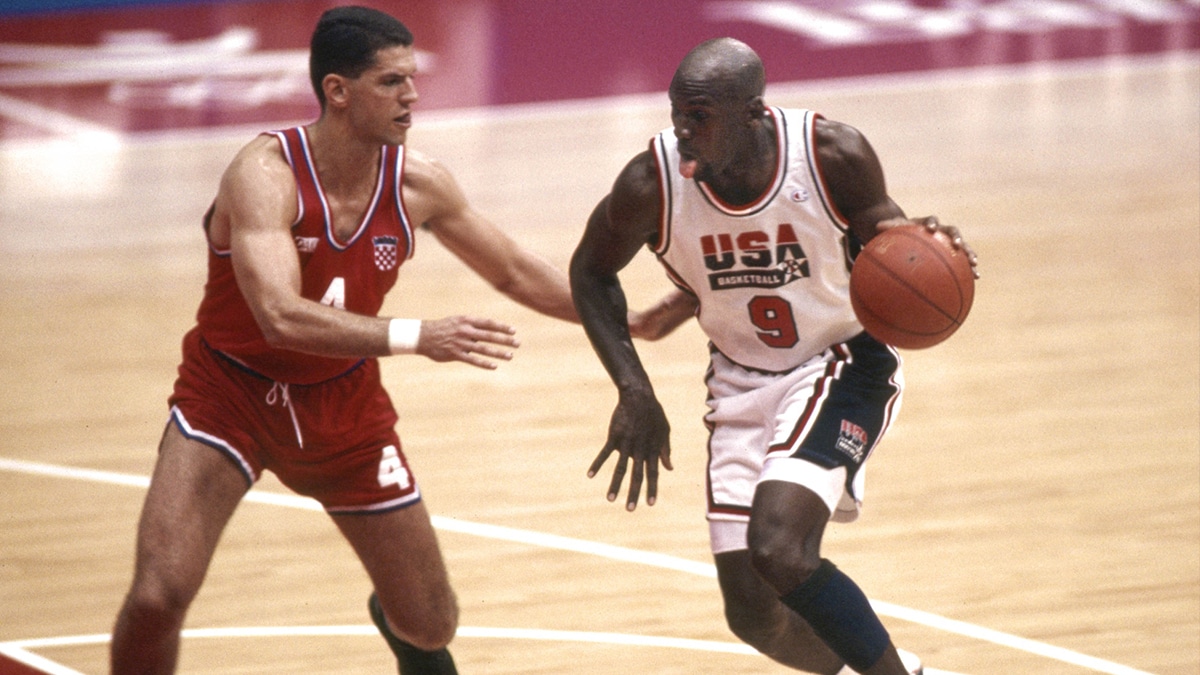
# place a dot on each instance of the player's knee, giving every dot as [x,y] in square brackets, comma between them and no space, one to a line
[781,558]
[157,602]
[435,634]
[431,631]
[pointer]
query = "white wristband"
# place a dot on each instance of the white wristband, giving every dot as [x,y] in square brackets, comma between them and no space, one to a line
[403,335]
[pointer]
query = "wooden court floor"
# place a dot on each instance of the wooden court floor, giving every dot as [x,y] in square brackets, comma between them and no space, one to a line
[1035,510]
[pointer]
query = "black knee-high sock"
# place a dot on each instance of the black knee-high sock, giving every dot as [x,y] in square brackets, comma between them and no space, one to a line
[412,661]
[841,615]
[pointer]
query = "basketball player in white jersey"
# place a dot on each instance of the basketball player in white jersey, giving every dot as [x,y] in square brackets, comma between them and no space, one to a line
[757,213]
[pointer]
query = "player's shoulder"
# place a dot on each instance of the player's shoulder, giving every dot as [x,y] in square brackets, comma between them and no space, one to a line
[639,179]
[261,157]
[419,165]
[636,195]
[430,188]
[258,172]
[838,138]
[427,175]
[842,149]
[834,135]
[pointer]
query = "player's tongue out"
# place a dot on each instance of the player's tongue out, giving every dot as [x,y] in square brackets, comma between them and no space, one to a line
[687,168]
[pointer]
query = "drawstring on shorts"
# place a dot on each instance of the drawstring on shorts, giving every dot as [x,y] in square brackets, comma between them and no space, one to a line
[279,394]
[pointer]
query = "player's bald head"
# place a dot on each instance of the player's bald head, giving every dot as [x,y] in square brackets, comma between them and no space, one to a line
[723,68]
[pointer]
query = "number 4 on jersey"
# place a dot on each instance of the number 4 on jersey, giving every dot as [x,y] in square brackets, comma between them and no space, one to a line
[392,471]
[335,295]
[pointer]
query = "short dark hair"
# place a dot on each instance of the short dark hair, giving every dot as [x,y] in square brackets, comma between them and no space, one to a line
[345,42]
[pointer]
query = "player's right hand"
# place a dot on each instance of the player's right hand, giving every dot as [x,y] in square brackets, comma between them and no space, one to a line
[480,342]
[639,432]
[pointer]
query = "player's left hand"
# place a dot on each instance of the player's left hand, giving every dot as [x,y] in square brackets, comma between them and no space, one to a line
[659,320]
[483,343]
[932,224]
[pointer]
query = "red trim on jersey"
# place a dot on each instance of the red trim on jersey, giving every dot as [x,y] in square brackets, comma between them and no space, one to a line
[401,209]
[810,124]
[664,194]
[287,155]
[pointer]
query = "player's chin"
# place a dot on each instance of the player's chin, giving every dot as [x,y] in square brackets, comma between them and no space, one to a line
[396,135]
[397,131]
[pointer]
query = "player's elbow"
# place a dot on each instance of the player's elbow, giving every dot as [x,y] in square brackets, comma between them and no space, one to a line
[279,325]
[580,271]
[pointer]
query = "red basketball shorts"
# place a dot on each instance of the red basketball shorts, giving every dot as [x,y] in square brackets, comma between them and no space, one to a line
[334,441]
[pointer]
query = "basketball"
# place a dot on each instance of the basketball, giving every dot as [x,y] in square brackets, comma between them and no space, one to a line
[910,287]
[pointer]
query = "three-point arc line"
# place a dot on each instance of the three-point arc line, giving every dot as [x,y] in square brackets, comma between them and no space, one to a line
[18,650]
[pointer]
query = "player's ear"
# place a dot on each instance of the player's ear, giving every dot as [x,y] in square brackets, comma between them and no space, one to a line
[756,108]
[336,91]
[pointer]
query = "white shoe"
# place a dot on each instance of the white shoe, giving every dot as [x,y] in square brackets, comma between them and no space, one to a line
[912,663]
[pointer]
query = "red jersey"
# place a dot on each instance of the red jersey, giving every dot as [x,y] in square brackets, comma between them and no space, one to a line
[353,275]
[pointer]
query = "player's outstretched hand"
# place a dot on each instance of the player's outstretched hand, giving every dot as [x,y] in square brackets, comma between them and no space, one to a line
[639,432]
[932,224]
[479,342]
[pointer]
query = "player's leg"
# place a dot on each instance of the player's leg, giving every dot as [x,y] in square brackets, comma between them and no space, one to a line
[786,525]
[756,615]
[192,495]
[743,418]
[399,550]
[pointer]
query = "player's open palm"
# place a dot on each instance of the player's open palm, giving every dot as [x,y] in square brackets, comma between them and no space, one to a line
[479,342]
[640,434]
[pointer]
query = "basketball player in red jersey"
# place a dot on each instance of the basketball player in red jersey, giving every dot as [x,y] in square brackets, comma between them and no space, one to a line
[305,235]
[756,213]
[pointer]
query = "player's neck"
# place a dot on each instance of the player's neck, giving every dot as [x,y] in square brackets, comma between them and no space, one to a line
[749,176]
[345,162]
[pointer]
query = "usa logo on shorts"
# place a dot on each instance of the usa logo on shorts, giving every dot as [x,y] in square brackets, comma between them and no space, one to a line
[386,252]
[852,440]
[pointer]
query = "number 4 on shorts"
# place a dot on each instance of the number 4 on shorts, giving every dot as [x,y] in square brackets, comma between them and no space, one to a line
[392,471]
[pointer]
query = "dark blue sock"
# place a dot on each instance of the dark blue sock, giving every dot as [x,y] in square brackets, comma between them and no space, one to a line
[841,616]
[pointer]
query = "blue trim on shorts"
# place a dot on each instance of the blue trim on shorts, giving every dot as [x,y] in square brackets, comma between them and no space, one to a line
[220,445]
[857,407]
[233,361]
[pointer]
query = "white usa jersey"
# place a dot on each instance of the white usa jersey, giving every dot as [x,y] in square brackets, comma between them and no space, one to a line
[772,276]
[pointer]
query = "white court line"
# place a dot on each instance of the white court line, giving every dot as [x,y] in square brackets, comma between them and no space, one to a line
[616,553]
[45,665]
[16,649]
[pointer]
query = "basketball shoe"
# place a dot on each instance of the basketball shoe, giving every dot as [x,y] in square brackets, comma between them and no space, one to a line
[911,662]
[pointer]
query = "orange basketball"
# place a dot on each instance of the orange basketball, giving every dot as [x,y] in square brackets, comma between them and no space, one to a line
[911,288]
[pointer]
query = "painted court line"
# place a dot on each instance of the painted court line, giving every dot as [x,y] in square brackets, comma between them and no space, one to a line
[17,649]
[592,548]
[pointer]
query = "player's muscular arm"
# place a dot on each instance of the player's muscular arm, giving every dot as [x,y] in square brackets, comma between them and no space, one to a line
[855,178]
[437,202]
[620,225]
[255,208]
